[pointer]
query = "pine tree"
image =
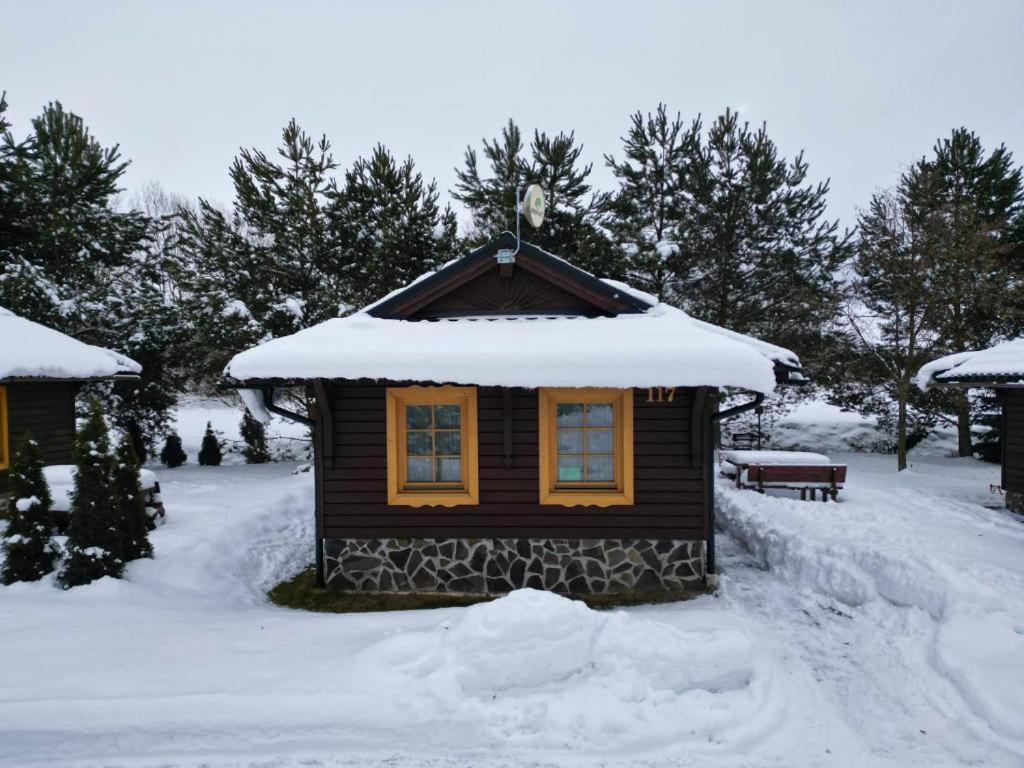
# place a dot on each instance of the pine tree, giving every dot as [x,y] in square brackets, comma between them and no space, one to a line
[971,203]
[892,317]
[127,491]
[29,551]
[269,267]
[75,262]
[644,215]
[755,252]
[172,454]
[571,228]
[388,226]
[95,539]
[209,451]
[255,437]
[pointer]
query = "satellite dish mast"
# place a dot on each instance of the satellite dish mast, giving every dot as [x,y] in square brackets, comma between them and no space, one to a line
[534,206]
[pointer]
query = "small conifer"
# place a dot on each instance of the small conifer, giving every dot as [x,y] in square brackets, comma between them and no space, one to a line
[128,494]
[209,451]
[172,454]
[255,437]
[95,536]
[29,551]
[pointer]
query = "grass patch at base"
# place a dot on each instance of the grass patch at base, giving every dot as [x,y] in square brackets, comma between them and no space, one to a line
[301,593]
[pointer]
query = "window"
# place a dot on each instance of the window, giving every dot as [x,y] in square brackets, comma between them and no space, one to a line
[5,449]
[586,447]
[432,457]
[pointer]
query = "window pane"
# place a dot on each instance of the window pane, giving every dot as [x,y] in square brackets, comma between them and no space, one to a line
[570,414]
[448,443]
[599,415]
[446,416]
[417,416]
[570,469]
[419,471]
[449,470]
[599,441]
[600,469]
[418,443]
[570,441]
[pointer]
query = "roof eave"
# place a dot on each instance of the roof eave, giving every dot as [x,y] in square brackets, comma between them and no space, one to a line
[69,379]
[1015,381]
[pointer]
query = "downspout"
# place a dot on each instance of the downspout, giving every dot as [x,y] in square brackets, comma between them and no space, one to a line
[717,417]
[268,402]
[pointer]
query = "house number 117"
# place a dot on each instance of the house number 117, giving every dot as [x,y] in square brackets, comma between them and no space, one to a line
[660,394]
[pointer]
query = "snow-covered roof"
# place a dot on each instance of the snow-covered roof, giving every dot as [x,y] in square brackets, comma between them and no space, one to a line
[660,347]
[1003,363]
[33,351]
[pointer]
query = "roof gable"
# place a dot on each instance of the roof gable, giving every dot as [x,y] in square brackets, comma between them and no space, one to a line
[536,283]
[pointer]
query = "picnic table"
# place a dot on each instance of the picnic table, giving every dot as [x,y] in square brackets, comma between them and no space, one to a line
[61,479]
[797,470]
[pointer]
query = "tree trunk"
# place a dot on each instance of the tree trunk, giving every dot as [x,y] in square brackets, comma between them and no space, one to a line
[901,432]
[963,426]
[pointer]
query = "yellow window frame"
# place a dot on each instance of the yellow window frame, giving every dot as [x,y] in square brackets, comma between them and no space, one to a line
[400,491]
[620,492]
[5,443]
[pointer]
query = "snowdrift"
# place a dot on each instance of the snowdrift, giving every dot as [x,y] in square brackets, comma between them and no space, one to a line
[538,669]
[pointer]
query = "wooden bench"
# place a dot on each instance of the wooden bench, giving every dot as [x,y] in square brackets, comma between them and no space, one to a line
[827,478]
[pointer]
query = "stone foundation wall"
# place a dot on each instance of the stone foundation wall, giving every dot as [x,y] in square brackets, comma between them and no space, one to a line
[569,566]
[1015,501]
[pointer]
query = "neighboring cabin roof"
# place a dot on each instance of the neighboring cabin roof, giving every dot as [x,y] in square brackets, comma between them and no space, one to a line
[33,351]
[640,344]
[1001,364]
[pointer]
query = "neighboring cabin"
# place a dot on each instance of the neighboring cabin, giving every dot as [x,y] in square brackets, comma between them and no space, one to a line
[1002,368]
[512,421]
[40,372]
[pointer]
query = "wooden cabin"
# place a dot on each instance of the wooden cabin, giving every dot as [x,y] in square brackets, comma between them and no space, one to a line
[512,421]
[1001,368]
[41,371]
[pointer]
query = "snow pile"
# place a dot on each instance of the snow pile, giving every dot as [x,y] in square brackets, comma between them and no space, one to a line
[661,347]
[816,425]
[32,350]
[535,668]
[960,565]
[1003,361]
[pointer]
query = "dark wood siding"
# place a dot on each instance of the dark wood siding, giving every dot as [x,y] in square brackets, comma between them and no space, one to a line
[668,484]
[44,411]
[1013,439]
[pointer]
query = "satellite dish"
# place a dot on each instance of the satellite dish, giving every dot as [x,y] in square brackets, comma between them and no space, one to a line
[534,206]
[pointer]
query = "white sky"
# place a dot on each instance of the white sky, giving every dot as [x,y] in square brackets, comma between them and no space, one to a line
[863,87]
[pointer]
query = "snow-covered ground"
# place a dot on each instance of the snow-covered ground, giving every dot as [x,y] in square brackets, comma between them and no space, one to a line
[885,630]
[286,439]
[911,590]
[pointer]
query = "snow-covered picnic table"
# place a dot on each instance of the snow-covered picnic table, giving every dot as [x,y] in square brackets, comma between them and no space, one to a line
[801,470]
[786,458]
[61,479]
